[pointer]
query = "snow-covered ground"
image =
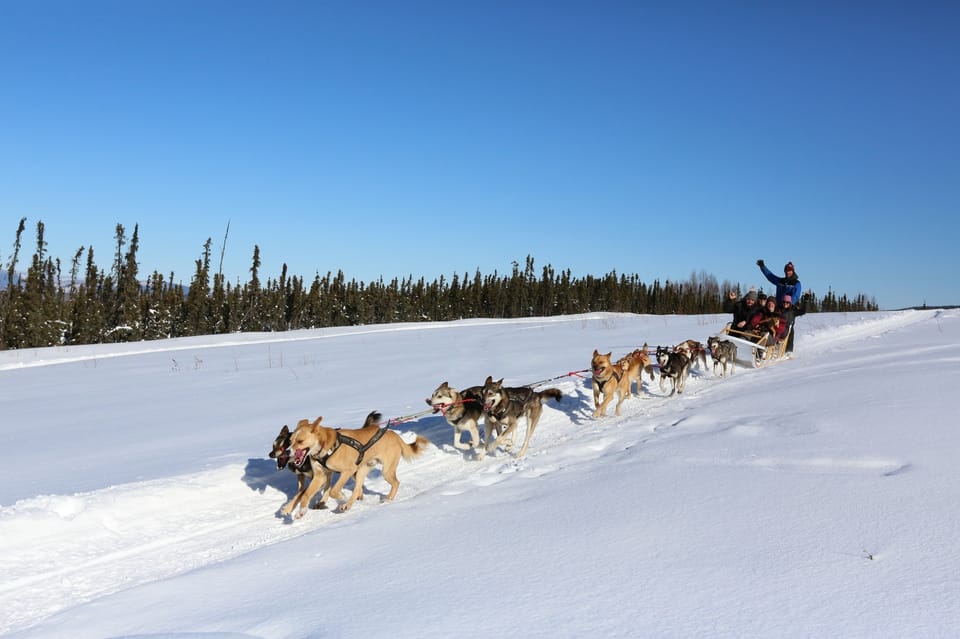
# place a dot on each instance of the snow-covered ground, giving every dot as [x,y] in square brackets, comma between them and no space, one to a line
[814,498]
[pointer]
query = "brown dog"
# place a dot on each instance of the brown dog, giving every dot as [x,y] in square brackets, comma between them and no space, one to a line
[695,352]
[611,378]
[352,453]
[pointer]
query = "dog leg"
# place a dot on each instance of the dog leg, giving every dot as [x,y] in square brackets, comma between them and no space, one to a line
[357,493]
[474,434]
[602,408]
[620,397]
[336,488]
[320,479]
[389,472]
[471,427]
[491,429]
[512,424]
[459,445]
[533,416]
[301,486]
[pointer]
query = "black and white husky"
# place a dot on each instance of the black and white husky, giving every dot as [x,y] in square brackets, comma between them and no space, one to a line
[722,352]
[673,366]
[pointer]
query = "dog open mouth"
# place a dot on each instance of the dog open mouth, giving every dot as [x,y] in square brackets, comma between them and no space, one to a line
[300,456]
[282,459]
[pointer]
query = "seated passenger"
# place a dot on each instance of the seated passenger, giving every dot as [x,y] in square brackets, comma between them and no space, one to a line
[767,320]
[790,314]
[742,309]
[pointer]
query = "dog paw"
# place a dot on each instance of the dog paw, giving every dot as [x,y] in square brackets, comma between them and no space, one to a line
[322,505]
[342,508]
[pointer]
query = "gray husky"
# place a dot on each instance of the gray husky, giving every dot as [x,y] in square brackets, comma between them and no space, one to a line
[506,405]
[722,352]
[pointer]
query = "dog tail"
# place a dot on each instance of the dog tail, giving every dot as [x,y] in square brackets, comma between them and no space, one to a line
[409,451]
[550,393]
[649,369]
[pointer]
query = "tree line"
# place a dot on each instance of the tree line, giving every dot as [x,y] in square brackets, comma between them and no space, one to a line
[87,304]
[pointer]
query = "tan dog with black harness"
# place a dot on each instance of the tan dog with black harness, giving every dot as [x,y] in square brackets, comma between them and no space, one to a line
[304,472]
[352,453]
[616,378]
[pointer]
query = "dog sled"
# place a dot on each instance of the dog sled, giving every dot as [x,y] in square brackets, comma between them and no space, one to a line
[755,351]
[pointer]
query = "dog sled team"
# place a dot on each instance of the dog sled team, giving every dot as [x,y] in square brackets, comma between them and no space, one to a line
[315,453]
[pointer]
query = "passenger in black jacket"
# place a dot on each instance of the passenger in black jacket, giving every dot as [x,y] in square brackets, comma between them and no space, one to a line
[742,309]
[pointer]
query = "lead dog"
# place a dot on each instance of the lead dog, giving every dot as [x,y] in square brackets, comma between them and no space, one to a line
[352,453]
[505,405]
[673,366]
[462,410]
[616,378]
[722,352]
[304,472]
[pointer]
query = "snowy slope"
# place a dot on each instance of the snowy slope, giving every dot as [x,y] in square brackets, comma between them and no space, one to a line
[814,498]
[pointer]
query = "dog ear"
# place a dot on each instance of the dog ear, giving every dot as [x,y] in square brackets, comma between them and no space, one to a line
[610,354]
[284,431]
[489,379]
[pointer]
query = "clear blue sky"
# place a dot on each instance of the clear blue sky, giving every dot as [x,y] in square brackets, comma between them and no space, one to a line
[427,138]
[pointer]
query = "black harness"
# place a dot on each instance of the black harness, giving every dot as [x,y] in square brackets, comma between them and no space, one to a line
[352,443]
[613,375]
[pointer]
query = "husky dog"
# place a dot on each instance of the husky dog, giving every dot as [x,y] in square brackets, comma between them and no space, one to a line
[304,472]
[504,405]
[611,378]
[352,453]
[722,352]
[462,410]
[695,352]
[675,366]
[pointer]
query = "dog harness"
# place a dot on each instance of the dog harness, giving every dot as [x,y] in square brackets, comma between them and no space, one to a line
[613,375]
[353,443]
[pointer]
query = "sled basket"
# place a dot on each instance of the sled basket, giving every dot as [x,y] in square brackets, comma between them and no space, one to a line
[755,354]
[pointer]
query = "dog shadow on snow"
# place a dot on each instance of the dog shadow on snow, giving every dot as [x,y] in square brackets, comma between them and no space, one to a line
[260,474]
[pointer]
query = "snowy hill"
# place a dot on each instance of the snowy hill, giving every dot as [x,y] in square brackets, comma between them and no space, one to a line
[815,498]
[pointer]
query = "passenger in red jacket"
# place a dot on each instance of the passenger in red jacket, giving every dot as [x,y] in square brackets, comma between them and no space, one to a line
[768,320]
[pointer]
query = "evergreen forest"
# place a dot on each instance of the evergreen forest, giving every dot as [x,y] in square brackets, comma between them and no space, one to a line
[44,302]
